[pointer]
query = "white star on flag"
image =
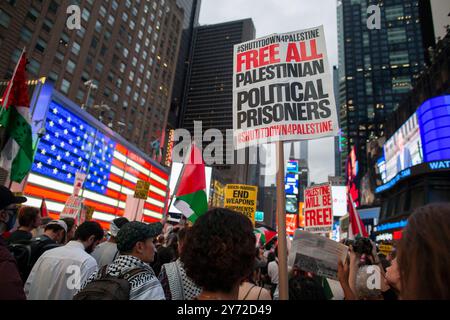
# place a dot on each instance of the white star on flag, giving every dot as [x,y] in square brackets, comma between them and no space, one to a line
[43,152]
[74,129]
[57,134]
[69,175]
[55,111]
[47,137]
[62,144]
[66,131]
[39,165]
[51,124]
[53,147]
[67,153]
[69,119]
[49,161]
[78,138]
[72,163]
[58,158]
[55,171]
[70,141]
[60,121]
[64,167]
[80,159]
[81,127]
[75,150]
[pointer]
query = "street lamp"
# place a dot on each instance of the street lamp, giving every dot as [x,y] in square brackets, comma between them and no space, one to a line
[91,86]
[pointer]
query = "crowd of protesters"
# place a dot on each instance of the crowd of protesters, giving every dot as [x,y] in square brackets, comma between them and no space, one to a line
[215,258]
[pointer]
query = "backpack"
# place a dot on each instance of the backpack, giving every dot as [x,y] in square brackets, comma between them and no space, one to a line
[108,287]
[27,252]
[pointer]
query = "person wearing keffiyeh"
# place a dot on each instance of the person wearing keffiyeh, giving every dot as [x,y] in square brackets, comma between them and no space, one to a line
[136,251]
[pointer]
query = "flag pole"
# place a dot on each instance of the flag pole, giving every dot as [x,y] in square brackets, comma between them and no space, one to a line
[281,207]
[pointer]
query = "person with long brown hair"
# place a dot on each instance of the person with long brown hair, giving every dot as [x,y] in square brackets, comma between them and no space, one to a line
[423,254]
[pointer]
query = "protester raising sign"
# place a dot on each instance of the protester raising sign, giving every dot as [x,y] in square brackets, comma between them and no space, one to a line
[283,89]
[318,209]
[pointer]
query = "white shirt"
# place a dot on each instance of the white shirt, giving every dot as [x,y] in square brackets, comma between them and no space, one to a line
[105,253]
[272,270]
[59,273]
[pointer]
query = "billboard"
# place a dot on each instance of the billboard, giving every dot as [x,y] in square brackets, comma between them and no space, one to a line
[404,149]
[292,166]
[291,184]
[339,195]
[73,144]
[291,204]
[422,140]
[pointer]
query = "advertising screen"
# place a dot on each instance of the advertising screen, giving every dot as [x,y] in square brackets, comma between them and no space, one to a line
[404,149]
[339,195]
[291,184]
[291,204]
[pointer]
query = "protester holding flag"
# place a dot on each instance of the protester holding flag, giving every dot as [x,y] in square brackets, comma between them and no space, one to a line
[219,253]
[17,154]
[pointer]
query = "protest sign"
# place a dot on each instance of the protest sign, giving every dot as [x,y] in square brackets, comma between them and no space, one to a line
[317,254]
[72,208]
[141,190]
[283,89]
[385,249]
[134,208]
[318,209]
[241,198]
[78,183]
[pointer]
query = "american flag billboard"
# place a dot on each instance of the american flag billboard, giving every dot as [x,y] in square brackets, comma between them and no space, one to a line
[71,144]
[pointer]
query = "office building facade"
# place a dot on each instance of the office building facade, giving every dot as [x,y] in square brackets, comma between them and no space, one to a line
[120,63]
[378,66]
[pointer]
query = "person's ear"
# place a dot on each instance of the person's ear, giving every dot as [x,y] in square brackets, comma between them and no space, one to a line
[91,239]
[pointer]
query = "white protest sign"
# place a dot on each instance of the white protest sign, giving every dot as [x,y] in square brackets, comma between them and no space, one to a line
[317,254]
[72,208]
[318,209]
[283,89]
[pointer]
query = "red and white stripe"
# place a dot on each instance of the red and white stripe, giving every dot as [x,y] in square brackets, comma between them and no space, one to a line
[126,169]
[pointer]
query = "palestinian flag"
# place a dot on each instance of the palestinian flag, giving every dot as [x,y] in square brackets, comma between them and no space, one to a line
[17,153]
[190,193]
[264,235]
[356,226]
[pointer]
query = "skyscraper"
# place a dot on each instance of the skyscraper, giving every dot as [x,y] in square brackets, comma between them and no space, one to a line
[120,63]
[191,10]
[208,92]
[377,67]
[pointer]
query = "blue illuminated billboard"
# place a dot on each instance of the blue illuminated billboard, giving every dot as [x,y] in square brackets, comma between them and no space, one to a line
[291,184]
[423,139]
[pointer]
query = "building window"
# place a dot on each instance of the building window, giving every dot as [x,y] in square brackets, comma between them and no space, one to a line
[76,48]
[70,67]
[5,19]
[26,34]
[65,86]
[34,67]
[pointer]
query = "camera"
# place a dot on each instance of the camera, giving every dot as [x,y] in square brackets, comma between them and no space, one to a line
[360,245]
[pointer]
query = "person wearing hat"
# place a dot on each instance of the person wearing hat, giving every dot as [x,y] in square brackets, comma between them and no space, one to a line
[107,252]
[11,286]
[136,248]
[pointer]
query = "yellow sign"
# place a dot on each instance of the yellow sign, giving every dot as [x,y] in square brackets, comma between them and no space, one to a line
[89,213]
[241,198]
[218,194]
[141,190]
[385,249]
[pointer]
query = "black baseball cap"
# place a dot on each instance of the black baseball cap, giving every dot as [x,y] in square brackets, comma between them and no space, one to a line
[135,231]
[7,198]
